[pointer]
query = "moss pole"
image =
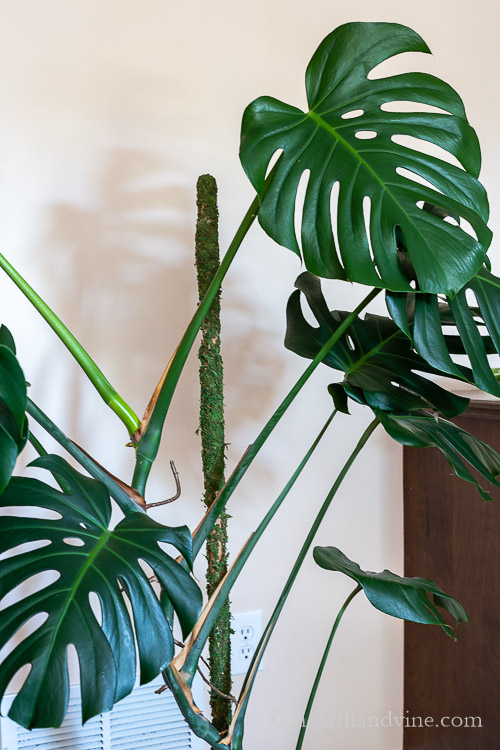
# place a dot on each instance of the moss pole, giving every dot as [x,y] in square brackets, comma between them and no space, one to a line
[212,441]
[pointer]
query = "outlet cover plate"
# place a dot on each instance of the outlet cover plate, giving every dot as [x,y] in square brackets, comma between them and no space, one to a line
[247,628]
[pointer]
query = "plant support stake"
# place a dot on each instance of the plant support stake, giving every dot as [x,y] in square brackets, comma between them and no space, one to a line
[212,442]
[149,434]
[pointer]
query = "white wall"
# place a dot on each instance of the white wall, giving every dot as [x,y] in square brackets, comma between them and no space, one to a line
[110,110]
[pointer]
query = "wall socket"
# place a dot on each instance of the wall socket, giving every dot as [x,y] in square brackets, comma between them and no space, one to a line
[247,628]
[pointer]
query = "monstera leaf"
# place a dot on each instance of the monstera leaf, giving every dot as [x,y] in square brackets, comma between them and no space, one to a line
[349,137]
[423,318]
[88,558]
[13,421]
[407,598]
[458,446]
[381,368]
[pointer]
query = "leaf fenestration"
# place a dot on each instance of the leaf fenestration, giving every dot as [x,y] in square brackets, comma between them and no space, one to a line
[103,561]
[347,137]
[380,366]
[427,321]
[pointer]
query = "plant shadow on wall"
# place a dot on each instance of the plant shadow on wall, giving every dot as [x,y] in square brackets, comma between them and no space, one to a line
[424,247]
[133,287]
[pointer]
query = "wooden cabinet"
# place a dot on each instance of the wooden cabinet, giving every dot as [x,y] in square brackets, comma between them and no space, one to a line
[453,537]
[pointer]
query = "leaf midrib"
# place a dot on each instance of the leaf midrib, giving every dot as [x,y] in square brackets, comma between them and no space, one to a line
[331,130]
[86,565]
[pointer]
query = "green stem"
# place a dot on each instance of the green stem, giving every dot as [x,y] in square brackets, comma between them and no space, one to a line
[96,377]
[207,523]
[36,444]
[259,652]
[124,501]
[321,667]
[148,446]
[197,722]
[194,654]
[42,452]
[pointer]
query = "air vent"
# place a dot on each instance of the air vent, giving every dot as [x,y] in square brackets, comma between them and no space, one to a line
[143,719]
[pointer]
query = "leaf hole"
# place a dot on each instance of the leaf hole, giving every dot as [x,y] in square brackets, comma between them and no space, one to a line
[73,541]
[475,310]
[96,606]
[367,208]
[27,511]
[365,135]
[73,663]
[32,584]
[352,113]
[467,227]
[471,299]
[414,177]
[272,161]
[311,320]
[405,62]
[334,207]
[146,567]
[24,547]
[299,205]
[14,686]
[408,106]
[350,342]
[27,629]
[426,147]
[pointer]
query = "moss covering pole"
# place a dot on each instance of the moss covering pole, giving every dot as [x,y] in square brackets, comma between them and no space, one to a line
[212,441]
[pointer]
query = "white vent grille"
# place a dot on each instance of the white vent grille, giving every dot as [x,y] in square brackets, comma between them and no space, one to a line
[142,720]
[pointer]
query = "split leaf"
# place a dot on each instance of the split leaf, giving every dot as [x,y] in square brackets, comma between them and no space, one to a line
[87,558]
[349,138]
[381,368]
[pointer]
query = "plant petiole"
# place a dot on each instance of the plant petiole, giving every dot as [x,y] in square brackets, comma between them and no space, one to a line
[89,367]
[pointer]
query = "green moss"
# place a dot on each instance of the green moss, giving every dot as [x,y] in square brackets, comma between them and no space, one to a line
[213,441]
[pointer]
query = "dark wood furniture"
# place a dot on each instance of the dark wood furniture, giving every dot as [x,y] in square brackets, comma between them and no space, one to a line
[453,537]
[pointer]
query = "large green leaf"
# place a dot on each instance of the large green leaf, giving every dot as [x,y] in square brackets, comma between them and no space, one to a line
[461,449]
[407,598]
[13,397]
[381,368]
[383,371]
[424,318]
[88,558]
[328,142]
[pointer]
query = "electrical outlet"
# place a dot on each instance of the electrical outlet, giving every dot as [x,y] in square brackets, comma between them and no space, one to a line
[247,628]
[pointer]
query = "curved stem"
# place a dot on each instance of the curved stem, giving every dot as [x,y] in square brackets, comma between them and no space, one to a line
[42,452]
[221,500]
[237,724]
[217,600]
[36,444]
[321,667]
[92,371]
[124,501]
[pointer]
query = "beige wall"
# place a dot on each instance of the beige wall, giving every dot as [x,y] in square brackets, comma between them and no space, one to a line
[110,110]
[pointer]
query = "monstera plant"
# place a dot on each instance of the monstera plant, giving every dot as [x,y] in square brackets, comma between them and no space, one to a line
[376,211]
